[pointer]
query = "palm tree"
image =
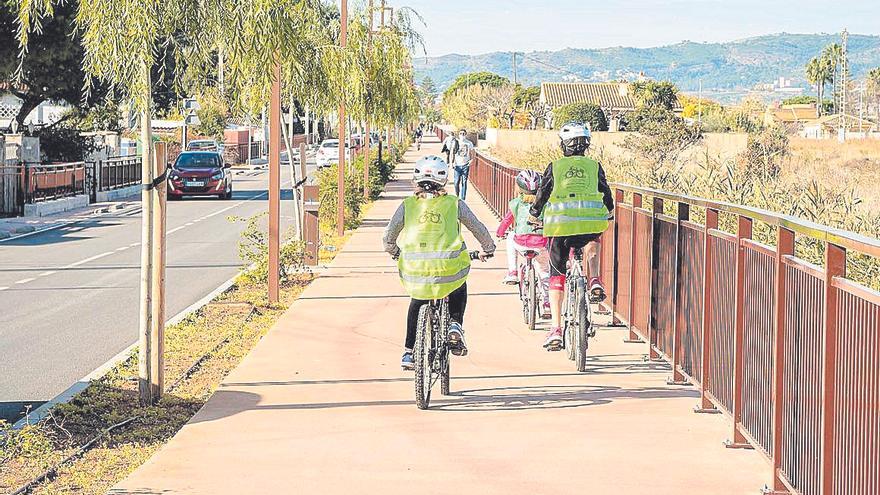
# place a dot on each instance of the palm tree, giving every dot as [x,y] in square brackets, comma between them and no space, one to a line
[819,72]
[833,55]
[874,89]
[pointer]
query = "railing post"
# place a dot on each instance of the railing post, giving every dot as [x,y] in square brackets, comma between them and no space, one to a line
[784,247]
[706,405]
[835,266]
[743,231]
[618,199]
[657,210]
[684,213]
[633,337]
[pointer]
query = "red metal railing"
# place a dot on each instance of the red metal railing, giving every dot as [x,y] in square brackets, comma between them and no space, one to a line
[53,181]
[788,350]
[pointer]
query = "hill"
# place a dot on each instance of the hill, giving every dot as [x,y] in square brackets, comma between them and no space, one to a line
[734,65]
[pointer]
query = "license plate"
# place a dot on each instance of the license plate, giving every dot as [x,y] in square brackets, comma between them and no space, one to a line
[194,183]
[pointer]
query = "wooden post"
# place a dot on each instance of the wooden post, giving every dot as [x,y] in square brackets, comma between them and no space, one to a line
[657,210]
[615,288]
[340,185]
[367,136]
[275,185]
[706,405]
[147,379]
[311,230]
[743,231]
[157,330]
[633,337]
[835,266]
[684,213]
[304,173]
[784,247]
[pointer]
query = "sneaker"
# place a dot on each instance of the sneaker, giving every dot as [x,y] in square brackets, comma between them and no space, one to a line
[407,362]
[597,291]
[553,342]
[512,278]
[456,340]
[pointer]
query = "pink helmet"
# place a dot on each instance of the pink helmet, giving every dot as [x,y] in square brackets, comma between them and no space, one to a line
[528,181]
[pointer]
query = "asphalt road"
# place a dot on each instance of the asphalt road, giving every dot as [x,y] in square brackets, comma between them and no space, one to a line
[69,297]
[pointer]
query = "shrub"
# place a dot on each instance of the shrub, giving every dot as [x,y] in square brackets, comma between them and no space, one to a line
[585,112]
[253,250]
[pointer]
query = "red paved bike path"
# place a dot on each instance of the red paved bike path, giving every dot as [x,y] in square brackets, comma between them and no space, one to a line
[321,405]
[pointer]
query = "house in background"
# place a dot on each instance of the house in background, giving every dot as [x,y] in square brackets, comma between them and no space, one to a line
[802,120]
[615,98]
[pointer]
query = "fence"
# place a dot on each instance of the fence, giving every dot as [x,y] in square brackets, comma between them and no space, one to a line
[117,172]
[789,350]
[237,153]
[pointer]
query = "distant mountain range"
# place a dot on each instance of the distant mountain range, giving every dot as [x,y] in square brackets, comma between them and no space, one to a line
[734,66]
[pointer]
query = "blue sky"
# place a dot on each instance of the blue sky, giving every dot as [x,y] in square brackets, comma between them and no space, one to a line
[480,26]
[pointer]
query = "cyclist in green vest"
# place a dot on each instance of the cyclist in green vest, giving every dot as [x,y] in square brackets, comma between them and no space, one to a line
[424,235]
[577,204]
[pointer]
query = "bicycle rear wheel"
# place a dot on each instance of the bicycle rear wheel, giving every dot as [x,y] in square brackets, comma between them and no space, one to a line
[568,321]
[582,326]
[531,301]
[443,349]
[423,355]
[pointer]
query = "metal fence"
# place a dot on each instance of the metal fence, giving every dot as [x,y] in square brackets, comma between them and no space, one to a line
[53,181]
[788,350]
[118,172]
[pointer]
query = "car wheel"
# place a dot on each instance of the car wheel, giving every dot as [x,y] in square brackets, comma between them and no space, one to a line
[228,193]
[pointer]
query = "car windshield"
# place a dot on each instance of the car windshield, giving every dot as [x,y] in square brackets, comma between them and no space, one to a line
[330,144]
[197,160]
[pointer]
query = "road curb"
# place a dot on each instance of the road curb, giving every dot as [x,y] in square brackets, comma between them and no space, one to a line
[41,412]
[29,230]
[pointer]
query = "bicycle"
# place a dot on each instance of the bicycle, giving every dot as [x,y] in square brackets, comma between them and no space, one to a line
[528,288]
[576,322]
[431,352]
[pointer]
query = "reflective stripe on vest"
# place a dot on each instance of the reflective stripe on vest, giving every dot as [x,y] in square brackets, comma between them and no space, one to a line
[575,206]
[415,279]
[433,257]
[437,255]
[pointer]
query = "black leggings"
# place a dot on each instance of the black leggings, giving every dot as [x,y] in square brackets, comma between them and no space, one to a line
[560,248]
[457,303]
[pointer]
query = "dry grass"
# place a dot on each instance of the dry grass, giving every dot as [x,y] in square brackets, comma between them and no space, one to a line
[854,164]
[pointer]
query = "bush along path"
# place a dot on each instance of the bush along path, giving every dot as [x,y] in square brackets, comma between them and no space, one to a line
[96,439]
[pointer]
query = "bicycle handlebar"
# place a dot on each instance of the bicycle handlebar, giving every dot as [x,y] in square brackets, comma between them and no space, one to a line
[475,255]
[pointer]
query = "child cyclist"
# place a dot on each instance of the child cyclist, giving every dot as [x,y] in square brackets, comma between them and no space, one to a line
[526,237]
[578,205]
[424,235]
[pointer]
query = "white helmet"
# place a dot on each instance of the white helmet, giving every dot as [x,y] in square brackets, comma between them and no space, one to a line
[431,170]
[575,137]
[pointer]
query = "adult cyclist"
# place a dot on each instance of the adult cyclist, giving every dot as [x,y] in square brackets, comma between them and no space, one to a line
[424,235]
[576,202]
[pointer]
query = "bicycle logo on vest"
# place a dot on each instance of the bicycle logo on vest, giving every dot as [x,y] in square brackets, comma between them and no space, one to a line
[575,172]
[429,217]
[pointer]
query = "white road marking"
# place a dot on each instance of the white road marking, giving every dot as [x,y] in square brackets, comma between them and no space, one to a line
[46,274]
[123,248]
[3,288]
[93,258]
[175,229]
[133,244]
[26,280]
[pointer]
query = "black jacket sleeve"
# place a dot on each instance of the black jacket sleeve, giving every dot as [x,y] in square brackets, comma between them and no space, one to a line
[608,196]
[544,192]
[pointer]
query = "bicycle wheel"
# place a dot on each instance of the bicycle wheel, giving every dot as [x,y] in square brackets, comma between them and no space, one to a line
[423,357]
[524,293]
[443,349]
[568,321]
[582,326]
[531,301]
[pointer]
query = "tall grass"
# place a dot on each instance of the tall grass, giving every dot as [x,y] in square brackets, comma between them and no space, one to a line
[817,181]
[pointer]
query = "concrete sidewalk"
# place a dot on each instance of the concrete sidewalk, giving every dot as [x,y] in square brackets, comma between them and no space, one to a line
[321,405]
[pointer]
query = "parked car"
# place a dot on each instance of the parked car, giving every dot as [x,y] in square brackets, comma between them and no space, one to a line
[200,173]
[286,161]
[204,145]
[328,153]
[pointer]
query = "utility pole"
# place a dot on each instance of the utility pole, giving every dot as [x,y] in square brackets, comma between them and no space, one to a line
[340,186]
[367,136]
[700,105]
[844,73]
[275,183]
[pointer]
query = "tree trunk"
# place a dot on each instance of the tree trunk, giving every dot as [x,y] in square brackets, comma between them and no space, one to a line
[28,104]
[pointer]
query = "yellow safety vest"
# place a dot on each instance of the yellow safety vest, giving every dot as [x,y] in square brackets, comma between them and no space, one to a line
[575,206]
[433,257]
